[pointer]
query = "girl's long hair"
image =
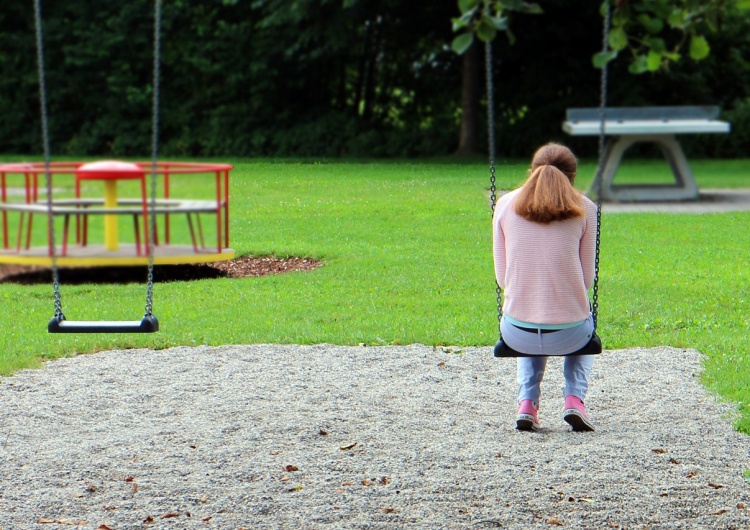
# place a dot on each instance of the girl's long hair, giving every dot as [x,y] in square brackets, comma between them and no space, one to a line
[548,193]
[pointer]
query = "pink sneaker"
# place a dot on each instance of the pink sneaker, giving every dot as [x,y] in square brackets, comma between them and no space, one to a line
[575,414]
[527,419]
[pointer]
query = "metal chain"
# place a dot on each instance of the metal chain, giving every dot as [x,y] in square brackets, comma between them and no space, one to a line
[597,178]
[491,141]
[600,167]
[154,156]
[47,157]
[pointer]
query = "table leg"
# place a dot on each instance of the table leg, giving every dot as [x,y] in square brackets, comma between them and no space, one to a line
[684,187]
[110,220]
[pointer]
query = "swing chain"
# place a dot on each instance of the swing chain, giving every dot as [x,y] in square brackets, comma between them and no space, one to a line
[47,165]
[154,157]
[598,177]
[491,140]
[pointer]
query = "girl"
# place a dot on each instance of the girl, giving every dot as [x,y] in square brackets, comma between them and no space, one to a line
[544,243]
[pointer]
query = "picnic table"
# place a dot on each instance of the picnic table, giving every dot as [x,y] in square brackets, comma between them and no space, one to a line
[627,126]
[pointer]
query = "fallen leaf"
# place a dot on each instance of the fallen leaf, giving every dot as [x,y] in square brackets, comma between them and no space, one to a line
[204,498]
[291,468]
[386,510]
[109,508]
[740,506]
[323,432]
[659,450]
[207,518]
[148,520]
[284,479]
[673,461]
[135,487]
[692,474]
[554,521]
[719,511]
[366,482]
[129,479]
[91,488]
[383,481]
[103,527]
[170,515]
[347,483]
[348,447]
[275,453]
[296,488]
[715,486]
[441,364]
[44,520]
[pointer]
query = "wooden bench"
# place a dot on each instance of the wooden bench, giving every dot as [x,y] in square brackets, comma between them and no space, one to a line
[626,126]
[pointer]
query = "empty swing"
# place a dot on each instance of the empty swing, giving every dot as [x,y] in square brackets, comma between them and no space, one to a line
[58,323]
[594,346]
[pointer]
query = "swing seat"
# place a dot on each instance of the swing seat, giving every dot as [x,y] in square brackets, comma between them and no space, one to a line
[148,324]
[593,347]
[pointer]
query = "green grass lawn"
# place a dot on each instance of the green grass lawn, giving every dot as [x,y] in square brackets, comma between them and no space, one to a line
[407,253]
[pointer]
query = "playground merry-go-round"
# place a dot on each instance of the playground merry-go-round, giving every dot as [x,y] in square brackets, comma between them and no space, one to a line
[100,213]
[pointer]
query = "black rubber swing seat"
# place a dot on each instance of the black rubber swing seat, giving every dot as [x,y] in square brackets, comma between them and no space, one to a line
[148,324]
[593,347]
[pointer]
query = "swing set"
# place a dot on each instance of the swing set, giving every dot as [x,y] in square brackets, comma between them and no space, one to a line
[147,207]
[594,346]
[149,323]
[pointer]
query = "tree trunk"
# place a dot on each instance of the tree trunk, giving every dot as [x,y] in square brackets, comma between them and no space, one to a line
[471,91]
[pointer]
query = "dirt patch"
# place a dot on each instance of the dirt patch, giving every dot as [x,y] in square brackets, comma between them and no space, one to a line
[243,267]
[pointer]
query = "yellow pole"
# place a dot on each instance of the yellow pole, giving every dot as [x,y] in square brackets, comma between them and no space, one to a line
[110,220]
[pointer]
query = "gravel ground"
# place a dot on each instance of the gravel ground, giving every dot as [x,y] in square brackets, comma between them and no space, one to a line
[271,436]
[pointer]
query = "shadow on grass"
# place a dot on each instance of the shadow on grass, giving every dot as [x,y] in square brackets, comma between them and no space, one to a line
[242,267]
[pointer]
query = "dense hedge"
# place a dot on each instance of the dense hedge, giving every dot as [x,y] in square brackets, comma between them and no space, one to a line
[325,78]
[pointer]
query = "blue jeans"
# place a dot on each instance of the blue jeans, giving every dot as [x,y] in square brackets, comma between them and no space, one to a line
[576,368]
[530,370]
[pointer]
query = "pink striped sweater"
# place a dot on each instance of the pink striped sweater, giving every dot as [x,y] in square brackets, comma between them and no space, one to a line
[545,271]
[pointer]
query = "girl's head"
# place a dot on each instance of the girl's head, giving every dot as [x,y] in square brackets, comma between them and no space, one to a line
[548,193]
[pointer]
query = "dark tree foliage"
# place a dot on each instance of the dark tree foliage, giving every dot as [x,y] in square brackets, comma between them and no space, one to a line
[321,78]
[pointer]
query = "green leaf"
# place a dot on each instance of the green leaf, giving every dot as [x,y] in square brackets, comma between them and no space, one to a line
[638,65]
[699,48]
[458,24]
[656,44]
[467,5]
[618,39]
[486,31]
[461,43]
[653,61]
[677,19]
[513,5]
[602,58]
[531,9]
[468,17]
[499,23]
[652,25]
